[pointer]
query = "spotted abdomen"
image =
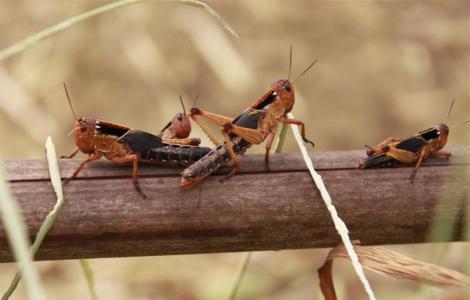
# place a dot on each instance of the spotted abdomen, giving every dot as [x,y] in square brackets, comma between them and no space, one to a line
[380,161]
[178,154]
[220,155]
[211,163]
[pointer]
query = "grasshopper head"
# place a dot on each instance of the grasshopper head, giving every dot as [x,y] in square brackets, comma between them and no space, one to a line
[284,89]
[180,126]
[443,128]
[443,134]
[84,134]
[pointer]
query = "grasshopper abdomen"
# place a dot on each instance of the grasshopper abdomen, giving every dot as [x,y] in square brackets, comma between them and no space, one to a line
[177,154]
[220,155]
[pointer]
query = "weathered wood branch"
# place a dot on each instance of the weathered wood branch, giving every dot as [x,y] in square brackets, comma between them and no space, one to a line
[103,215]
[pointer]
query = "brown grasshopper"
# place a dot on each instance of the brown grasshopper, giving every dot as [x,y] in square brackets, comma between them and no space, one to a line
[395,152]
[122,144]
[177,131]
[258,123]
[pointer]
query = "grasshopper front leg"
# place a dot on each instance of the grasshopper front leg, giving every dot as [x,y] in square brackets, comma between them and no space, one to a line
[285,120]
[71,155]
[441,153]
[91,158]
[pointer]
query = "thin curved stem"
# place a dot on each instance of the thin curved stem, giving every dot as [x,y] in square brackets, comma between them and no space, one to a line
[55,29]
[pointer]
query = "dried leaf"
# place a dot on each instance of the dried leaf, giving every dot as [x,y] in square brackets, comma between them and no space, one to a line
[393,264]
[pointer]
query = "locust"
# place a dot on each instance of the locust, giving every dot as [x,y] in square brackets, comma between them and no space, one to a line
[256,124]
[121,144]
[412,151]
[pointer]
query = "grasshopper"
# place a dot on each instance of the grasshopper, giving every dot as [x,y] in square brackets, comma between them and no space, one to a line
[395,152]
[122,144]
[255,125]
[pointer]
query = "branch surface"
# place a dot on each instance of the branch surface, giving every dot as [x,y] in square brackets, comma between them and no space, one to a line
[103,216]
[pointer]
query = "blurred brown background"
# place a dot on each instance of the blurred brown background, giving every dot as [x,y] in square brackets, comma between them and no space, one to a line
[385,69]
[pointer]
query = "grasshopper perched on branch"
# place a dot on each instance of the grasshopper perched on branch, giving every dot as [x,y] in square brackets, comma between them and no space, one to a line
[122,144]
[395,152]
[257,124]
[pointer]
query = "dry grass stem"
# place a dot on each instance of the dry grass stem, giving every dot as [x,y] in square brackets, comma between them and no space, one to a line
[17,236]
[50,218]
[339,224]
[48,32]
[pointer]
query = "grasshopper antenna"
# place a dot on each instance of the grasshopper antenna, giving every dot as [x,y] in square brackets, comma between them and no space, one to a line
[182,104]
[450,110]
[70,101]
[290,62]
[195,100]
[306,70]
[461,124]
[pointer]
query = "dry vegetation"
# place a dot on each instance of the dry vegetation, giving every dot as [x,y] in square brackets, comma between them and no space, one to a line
[385,69]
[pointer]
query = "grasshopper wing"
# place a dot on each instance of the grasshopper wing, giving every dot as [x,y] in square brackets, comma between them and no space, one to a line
[140,141]
[249,118]
[380,161]
[412,144]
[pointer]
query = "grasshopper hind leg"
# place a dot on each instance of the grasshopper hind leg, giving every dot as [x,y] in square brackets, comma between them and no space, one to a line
[269,142]
[139,190]
[134,159]
[229,144]
[418,164]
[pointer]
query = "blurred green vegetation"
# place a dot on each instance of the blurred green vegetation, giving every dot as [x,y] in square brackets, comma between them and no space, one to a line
[385,69]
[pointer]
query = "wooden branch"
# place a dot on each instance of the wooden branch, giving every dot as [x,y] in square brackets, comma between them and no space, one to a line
[103,216]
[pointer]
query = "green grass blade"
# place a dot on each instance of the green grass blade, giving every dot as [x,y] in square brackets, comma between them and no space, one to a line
[90,278]
[50,31]
[281,139]
[17,236]
[239,277]
[247,256]
[50,218]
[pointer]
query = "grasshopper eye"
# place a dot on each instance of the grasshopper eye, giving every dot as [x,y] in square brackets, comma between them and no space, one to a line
[287,86]
[179,116]
[83,127]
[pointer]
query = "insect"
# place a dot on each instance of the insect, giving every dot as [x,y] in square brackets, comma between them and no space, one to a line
[395,152]
[121,144]
[258,123]
[178,129]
